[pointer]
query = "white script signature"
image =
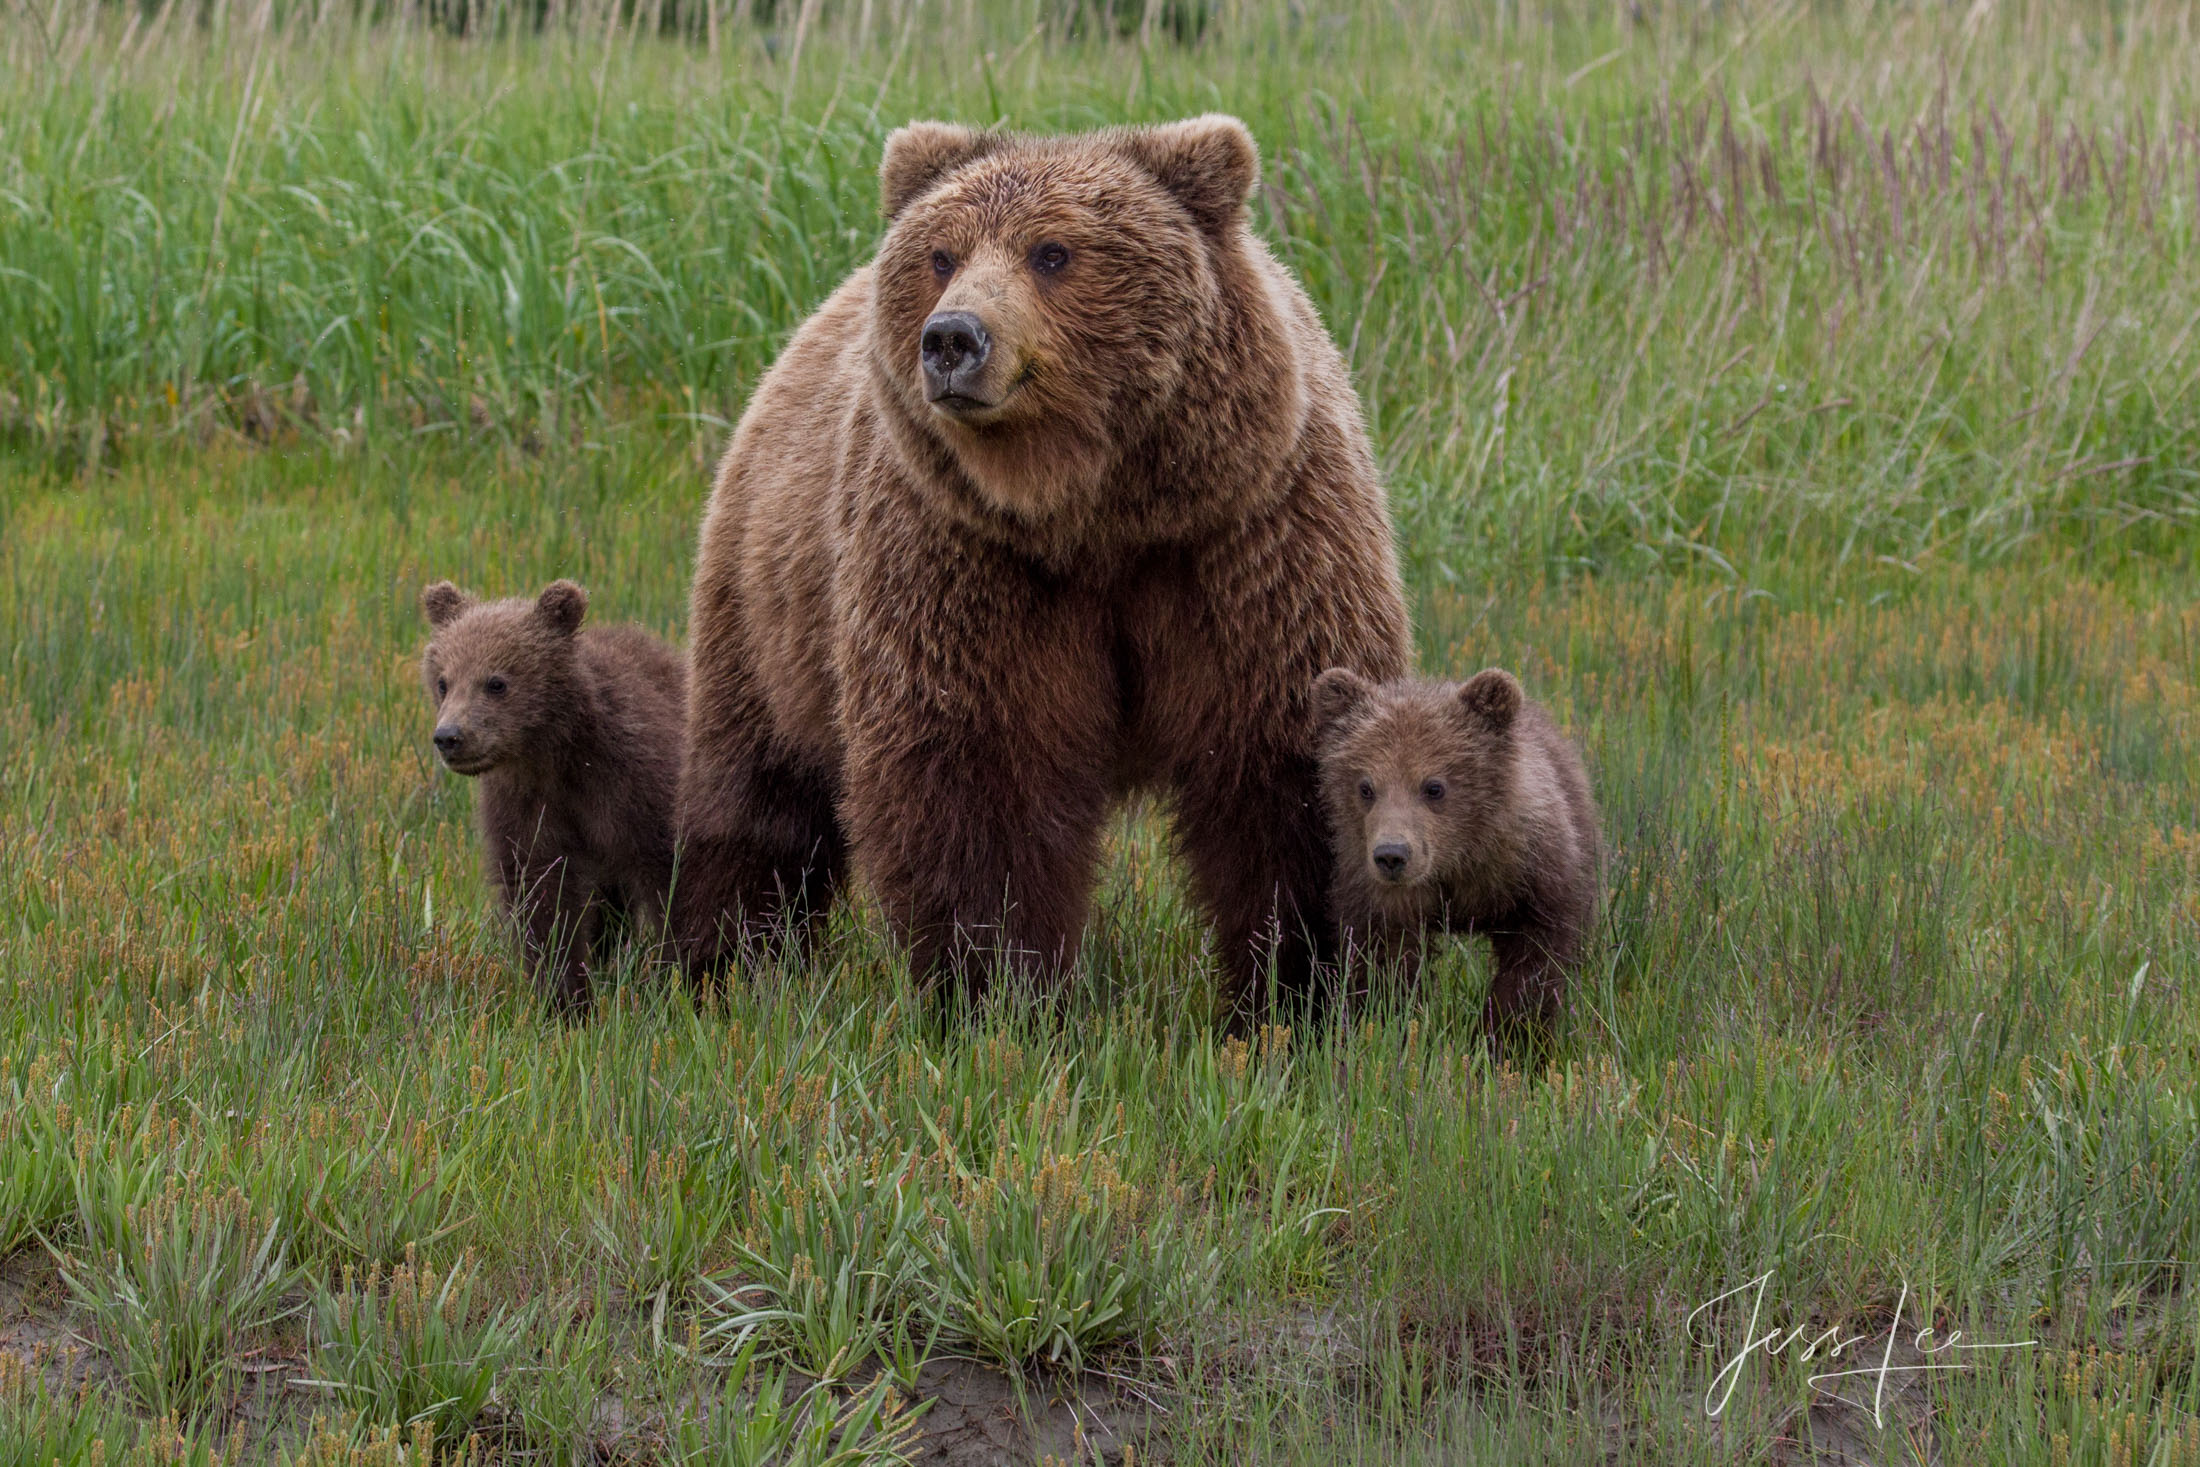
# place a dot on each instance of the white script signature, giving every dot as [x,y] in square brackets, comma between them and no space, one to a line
[1832,1346]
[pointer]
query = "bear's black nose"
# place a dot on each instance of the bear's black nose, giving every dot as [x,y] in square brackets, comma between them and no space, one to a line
[955,345]
[1390,859]
[447,740]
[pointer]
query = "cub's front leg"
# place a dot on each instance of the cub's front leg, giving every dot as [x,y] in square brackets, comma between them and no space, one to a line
[559,912]
[1378,951]
[1532,965]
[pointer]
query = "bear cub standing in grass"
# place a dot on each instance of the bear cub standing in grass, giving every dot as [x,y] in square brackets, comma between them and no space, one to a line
[1460,806]
[575,737]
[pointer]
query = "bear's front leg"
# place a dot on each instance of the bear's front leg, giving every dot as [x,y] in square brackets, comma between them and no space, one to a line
[980,850]
[1527,988]
[759,856]
[758,851]
[1377,953]
[1257,844]
[980,729]
[560,917]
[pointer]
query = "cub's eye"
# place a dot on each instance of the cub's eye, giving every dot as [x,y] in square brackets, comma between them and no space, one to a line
[442,687]
[1367,791]
[494,687]
[1433,791]
[1050,258]
[943,264]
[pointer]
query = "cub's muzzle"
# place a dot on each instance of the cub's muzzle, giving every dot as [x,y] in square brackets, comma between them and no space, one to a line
[458,753]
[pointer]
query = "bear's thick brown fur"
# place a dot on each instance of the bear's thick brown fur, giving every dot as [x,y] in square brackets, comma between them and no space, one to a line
[1460,807]
[1065,495]
[575,737]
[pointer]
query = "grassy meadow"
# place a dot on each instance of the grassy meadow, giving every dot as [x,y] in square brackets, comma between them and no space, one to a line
[1802,398]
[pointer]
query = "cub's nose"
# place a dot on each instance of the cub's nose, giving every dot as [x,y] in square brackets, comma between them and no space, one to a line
[1390,858]
[448,740]
[955,344]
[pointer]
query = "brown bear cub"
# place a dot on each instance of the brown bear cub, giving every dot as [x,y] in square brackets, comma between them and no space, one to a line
[1460,807]
[575,737]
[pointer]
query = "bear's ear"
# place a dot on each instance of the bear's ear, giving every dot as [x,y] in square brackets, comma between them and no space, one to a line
[443,602]
[921,154]
[562,604]
[1493,696]
[1209,164]
[1339,693]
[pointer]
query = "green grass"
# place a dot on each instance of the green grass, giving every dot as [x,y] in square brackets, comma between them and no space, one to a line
[1800,399]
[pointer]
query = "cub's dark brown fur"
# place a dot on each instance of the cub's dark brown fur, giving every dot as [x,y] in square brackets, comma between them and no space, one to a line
[1460,807]
[1065,495]
[575,737]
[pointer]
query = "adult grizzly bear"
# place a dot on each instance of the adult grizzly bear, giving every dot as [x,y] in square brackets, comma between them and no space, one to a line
[1065,495]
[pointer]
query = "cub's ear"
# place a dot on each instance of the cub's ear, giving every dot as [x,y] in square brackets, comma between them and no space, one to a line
[1208,163]
[1338,693]
[1492,695]
[443,602]
[562,604]
[923,153]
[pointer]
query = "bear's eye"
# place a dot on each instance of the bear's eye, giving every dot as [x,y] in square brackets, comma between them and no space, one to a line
[943,264]
[1367,791]
[1050,258]
[1433,791]
[442,687]
[494,687]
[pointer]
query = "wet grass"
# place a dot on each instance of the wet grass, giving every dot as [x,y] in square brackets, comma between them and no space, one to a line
[1801,403]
